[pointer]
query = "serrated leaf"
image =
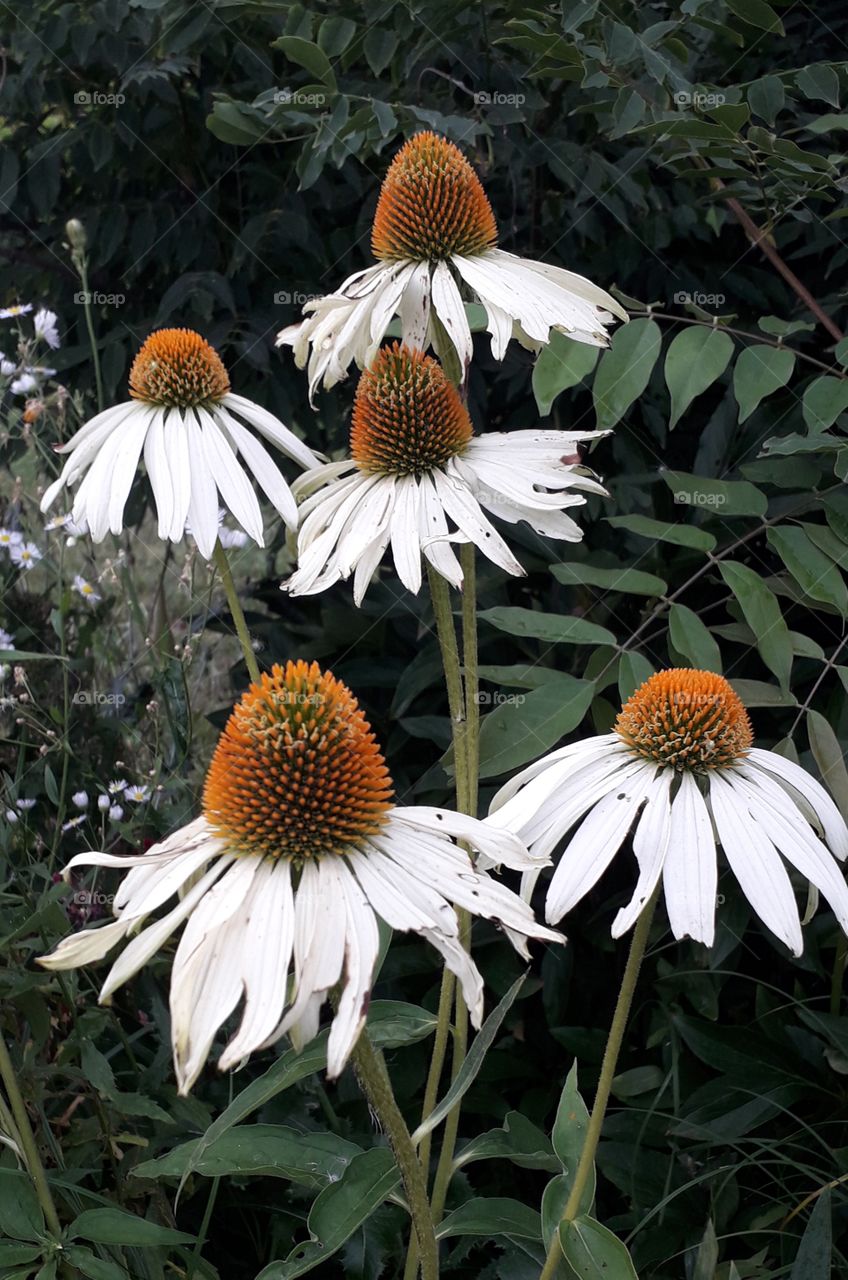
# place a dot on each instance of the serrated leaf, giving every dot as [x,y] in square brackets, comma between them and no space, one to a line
[763,614]
[759,371]
[625,369]
[692,639]
[696,358]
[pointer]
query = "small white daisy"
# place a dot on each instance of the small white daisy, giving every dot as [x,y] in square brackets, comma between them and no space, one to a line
[80,799]
[232,537]
[86,590]
[434,231]
[11,313]
[45,324]
[679,769]
[419,479]
[10,538]
[57,522]
[11,817]
[25,554]
[191,428]
[30,379]
[73,823]
[117,786]
[116,813]
[8,368]
[137,794]
[282,880]
[6,640]
[24,806]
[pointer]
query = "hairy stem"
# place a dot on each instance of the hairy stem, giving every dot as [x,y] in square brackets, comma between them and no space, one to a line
[222,564]
[28,1144]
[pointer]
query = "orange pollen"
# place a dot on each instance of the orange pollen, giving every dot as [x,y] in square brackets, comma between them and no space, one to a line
[297,772]
[686,719]
[407,416]
[177,368]
[432,205]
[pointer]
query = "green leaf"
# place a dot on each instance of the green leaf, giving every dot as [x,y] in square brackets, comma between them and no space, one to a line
[594,1252]
[758,372]
[562,364]
[12,1255]
[379,47]
[695,358]
[758,14]
[682,535]
[335,34]
[763,614]
[824,400]
[519,1141]
[631,581]
[473,1061]
[815,573]
[569,1136]
[307,54]
[262,1150]
[625,369]
[707,1259]
[498,1216]
[814,1259]
[692,639]
[525,726]
[114,1226]
[633,671]
[819,82]
[827,753]
[553,628]
[756,693]
[766,98]
[92,1266]
[718,497]
[369,1179]
[20,1213]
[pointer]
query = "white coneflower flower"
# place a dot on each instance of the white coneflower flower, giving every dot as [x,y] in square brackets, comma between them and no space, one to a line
[679,767]
[86,590]
[433,231]
[137,794]
[25,554]
[419,479]
[10,538]
[191,428]
[103,802]
[45,324]
[11,313]
[116,813]
[80,799]
[298,851]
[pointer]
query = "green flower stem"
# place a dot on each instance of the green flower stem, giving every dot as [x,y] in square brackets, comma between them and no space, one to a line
[28,1143]
[371,1072]
[222,564]
[81,262]
[468,558]
[608,1066]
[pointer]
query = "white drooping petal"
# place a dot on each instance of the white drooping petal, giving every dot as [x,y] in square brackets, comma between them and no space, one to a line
[756,863]
[595,843]
[449,307]
[650,846]
[415,308]
[690,871]
[829,818]
[362,946]
[502,848]
[203,502]
[404,536]
[233,485]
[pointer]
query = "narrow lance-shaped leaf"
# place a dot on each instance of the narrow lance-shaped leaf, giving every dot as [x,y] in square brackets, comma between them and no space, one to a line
[763,615]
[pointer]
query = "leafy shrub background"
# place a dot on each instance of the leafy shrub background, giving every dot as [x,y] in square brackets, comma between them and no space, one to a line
[225,159]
